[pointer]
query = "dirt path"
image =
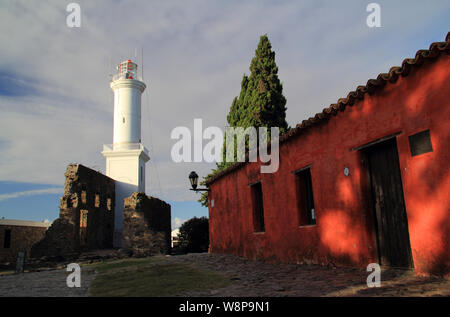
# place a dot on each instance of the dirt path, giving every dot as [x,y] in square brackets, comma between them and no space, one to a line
[47,284]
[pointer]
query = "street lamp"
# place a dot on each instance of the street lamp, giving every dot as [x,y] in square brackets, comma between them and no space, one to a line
[193,178]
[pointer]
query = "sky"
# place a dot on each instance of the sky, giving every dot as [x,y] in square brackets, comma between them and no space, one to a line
[56,105]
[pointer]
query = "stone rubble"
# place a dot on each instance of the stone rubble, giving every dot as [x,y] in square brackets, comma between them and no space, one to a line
[254,278]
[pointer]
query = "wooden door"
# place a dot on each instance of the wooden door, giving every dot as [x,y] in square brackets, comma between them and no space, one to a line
[391,225]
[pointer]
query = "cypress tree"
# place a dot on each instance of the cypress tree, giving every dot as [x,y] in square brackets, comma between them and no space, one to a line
[261,102]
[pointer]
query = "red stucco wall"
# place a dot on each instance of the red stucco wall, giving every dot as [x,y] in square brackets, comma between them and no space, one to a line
[344,233]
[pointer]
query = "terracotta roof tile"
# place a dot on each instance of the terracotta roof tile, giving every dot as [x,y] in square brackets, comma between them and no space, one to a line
[435,50]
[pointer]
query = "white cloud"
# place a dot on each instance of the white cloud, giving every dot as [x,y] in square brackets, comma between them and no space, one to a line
[177,222]
[33,192]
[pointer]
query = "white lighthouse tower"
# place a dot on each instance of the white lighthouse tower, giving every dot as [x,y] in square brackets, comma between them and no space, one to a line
[126,157]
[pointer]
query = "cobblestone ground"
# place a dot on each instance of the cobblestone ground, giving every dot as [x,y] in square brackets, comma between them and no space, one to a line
[252,278]
[50,283]
[249,278]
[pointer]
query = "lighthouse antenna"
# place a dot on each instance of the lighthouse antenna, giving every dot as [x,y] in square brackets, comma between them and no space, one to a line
[142,64]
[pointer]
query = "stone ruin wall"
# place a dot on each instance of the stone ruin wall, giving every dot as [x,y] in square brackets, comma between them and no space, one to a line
[146,225]
[86,218]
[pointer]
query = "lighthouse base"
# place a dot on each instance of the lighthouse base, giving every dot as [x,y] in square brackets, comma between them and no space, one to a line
[126,165]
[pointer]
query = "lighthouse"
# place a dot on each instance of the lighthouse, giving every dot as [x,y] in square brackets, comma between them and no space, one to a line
[126,157]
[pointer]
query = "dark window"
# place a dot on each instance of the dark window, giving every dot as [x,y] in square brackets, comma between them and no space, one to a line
[7,239]
[258,209]
[306,211]
[420,143]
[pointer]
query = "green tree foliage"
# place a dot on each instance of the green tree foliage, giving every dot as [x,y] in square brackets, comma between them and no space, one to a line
[261,102]
[194,235]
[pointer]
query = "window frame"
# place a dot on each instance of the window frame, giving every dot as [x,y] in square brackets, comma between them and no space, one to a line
[304,192]
[420,143]
[259,224]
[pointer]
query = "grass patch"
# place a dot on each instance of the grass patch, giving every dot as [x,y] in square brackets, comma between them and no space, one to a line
[151,277]
[126,264]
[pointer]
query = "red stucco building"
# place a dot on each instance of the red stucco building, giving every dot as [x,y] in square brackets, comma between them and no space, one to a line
[366,180]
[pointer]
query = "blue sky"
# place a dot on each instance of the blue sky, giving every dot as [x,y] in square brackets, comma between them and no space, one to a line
[56,104]
[38,202]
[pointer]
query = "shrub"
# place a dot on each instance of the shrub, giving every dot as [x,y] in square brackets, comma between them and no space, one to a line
[194,235]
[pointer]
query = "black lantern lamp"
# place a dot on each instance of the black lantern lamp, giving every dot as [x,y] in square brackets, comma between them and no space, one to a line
[193,178]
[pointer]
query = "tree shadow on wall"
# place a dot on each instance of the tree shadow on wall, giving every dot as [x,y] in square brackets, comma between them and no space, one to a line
[434,191]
